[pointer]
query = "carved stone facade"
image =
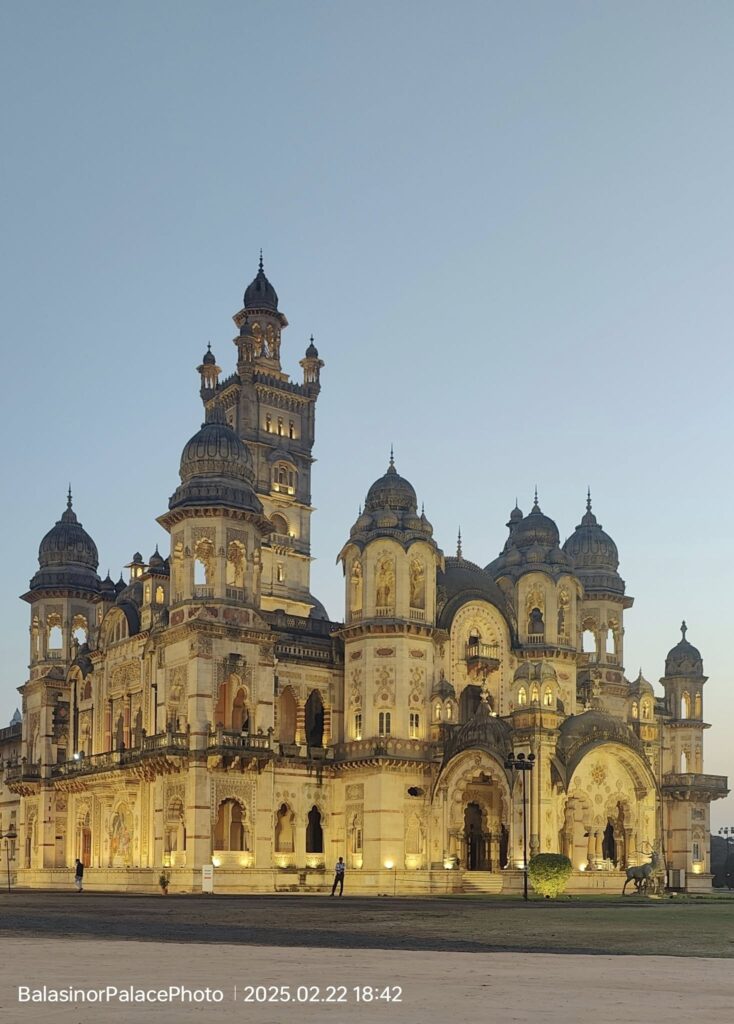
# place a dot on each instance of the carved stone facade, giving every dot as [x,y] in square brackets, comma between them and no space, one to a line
[206,710]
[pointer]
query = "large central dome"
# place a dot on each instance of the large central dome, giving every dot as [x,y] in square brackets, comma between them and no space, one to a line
[260,293]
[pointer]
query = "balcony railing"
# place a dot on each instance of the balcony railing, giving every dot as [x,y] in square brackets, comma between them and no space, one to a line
[238,742]
[202,591]
[54,655]
[714,784]
[176,743]
[281,540]
[418,614]
[384,611]
[536,639]
[482,652]
[235,593]
[355,616]
[283,488]
[20,772]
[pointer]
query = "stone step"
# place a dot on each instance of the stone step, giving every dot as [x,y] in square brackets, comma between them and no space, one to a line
[481,881]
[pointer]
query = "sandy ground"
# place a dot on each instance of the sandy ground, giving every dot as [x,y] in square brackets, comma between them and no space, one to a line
[511,988]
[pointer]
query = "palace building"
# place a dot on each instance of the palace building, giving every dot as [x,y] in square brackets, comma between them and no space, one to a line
[205,710]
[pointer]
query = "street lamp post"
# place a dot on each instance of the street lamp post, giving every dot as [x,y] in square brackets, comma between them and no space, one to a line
[10,836]
[522,764]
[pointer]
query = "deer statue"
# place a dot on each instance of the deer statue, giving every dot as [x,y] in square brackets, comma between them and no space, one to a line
[640,874]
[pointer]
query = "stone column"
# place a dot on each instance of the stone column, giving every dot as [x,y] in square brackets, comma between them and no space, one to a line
[301,723]
[590,845]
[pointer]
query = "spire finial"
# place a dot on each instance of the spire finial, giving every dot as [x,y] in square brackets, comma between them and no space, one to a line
[588,499]
[311,339]
[683,628]
[535,499]
[459,550]
[208,346]
[392,457]
[260,267]
[68,498]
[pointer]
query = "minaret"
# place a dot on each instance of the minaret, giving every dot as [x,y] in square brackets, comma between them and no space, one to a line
[209,372]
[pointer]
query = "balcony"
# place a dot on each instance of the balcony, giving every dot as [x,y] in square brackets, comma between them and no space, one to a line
[235,594]
[384,612]
[279,488]
[163,744]
[482,657]
[238,742]
[54,655]
[22,773]
[535,639]
[281,540]
[203,591]
[694,786]
[417,614]
[356,616]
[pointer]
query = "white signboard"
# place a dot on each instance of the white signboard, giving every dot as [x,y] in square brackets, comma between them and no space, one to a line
[207,878]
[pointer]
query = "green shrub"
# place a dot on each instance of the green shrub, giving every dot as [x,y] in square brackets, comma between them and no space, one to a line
[549,873]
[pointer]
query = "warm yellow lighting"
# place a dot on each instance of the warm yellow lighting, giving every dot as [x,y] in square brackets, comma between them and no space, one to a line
[582,867]
[389,864]
[697,869]
[217,862]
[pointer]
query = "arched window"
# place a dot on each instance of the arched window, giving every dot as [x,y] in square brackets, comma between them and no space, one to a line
[314,832]
[384,723]
[159,594]
[449,712]
[437,713]
[240,714]
[284,478]
[685,705]
[315,720]
[229,832]
[358,726]
[204,563]
[635,709]
[698,708]
[469,701]
[646,708]
[610,646]
[534,694]
[684,761]
[522,697]
[279,524]
[287,716]
[414,725]
[548,697]
[284,839]
[536,626]
[55,639]
[588,641]
[80,628]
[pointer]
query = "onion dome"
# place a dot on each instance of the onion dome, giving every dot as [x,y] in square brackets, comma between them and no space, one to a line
[216,467]
[684,659]
[260,293]
[107,588]
[156,560]
[120,585]
[67,555]
[209,359]
[535,672]
[312,352]
[534,528]
[462,581]
[594,555]
[391,491]
[533,541]
[137,559]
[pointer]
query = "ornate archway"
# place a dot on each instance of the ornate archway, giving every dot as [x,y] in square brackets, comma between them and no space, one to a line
[475,794]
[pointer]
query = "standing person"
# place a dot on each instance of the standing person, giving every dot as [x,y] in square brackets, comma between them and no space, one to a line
[339,876]
[78,875]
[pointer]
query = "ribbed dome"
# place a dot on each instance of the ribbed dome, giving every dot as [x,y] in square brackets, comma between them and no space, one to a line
[312,352]
[463,581]
[535,528]
[260,293]
[216,450]
[590,547]
[67,555]
[391,491]
[209,359]
[216,468]
[684,659]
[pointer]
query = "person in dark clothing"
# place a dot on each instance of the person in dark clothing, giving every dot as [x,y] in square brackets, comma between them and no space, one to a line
[339,876]
[79,875]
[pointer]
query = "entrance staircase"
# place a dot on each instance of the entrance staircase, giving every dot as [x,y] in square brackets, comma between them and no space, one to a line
[487,882]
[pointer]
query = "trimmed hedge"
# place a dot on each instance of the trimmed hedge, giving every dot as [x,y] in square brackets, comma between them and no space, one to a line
[549,873]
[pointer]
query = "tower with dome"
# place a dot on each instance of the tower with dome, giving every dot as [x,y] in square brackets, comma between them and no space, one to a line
[204,709]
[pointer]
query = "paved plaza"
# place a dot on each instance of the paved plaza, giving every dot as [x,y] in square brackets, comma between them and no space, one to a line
[272,960]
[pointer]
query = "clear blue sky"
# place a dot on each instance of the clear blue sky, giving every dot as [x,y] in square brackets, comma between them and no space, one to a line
[509,227]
